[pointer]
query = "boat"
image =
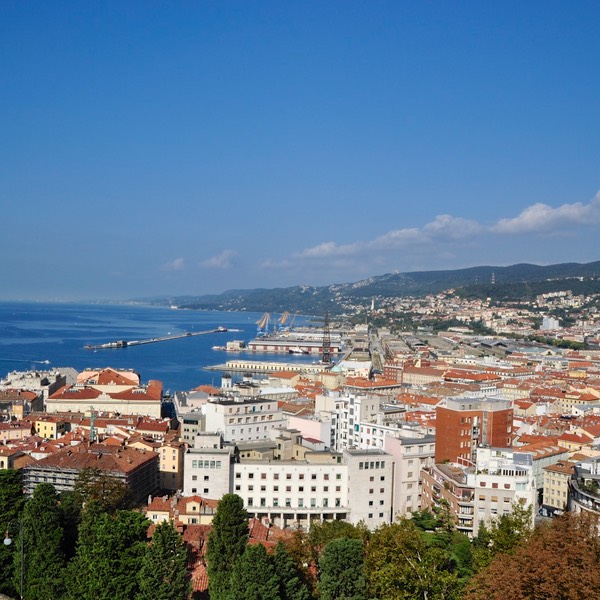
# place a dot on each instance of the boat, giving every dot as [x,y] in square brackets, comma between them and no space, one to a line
[297,350]
[219,348]
[221,329]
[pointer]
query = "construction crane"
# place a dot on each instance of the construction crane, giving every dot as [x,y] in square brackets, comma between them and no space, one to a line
[263,324]
[283,320]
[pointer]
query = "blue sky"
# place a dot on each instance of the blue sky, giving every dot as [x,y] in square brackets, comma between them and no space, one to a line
[152,148]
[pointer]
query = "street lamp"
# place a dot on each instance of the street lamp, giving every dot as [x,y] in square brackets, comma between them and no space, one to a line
[8,541]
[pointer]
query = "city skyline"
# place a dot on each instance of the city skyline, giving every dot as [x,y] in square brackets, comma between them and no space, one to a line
[168,149]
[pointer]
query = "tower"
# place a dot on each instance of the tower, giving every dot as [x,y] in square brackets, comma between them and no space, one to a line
[326,357]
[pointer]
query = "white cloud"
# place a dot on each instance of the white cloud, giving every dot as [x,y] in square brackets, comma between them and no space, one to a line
[222,260]
[452,227]
[541,217]
[175,265]
[445,237]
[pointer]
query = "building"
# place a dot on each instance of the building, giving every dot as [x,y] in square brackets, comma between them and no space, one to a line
[462,424]
[192,510]
[295,493]
[136,469]
[246,420]
[556,487]
[412,454]
[108,390]
[450,483]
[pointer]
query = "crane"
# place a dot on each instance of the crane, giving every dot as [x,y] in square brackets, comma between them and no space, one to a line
[263,324]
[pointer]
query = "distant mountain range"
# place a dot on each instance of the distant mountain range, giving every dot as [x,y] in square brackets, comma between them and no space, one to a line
[515,280]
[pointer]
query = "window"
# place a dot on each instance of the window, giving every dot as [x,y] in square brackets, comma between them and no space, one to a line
[276,476]
[263,475]
[250,501]
[301,476]
[313,476]
[326,477]
[300,488]
[250,475]
[205,491]
[206,478]
[194,477]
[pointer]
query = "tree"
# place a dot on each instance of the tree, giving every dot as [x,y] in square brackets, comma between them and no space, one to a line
[95,484]
[321,533]
[559,561]
[401,565]
[253,576]
[163,575]
[38,558]
[226,544]
[110,549]
[502,536]
[12,501]
[342,570]
[292,584]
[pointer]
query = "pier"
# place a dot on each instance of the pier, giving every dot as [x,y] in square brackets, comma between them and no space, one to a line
[251,366]
[165,338]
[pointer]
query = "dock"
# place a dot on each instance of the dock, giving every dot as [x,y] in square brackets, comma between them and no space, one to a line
[255,366]
[165,338]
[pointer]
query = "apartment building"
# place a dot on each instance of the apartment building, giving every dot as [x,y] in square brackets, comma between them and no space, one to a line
[250,419]
[462,424]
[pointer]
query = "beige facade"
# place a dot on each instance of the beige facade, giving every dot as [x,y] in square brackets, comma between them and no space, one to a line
[556,485]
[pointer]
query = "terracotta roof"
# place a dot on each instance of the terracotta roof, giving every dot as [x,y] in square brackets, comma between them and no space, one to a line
[98,456]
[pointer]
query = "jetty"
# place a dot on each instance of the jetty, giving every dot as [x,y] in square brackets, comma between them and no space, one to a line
[155,340]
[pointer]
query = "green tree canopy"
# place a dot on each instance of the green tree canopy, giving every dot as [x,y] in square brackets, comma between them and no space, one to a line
[163,574]
[226,544]
[12,501]
[39,559]
[502,536]
[402,565]
[342,570]
[110,492]
[253,576]
[292,584]
[109,555]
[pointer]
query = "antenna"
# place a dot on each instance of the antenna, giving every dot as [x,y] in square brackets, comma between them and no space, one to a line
[92,425]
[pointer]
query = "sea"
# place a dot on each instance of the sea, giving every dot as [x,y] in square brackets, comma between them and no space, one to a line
[46,336]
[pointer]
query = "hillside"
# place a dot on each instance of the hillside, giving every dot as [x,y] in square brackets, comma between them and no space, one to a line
[338,298]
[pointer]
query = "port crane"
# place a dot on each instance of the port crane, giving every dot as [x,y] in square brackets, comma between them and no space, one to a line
[283,320]
[263,324]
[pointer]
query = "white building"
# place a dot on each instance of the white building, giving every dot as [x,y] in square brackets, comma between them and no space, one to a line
[207,472]
[411,452]
[499,483]
[247,420]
